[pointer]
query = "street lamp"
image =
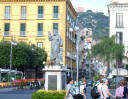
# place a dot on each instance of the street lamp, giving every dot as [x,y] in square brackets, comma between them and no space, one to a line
[71,30]
[12,43]
[77,57]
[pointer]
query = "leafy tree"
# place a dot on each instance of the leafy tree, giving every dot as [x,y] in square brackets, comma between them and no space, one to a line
[40,56]
[23,57]
[5,54]
[107,50]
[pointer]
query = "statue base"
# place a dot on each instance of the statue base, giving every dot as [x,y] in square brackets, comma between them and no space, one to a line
[55,77]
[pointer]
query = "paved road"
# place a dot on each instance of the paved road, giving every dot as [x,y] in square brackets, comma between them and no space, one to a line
[10,93]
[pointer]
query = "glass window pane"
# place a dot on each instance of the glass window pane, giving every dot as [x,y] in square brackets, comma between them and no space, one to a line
[56,11]
[40,27]
[40,11]
[7,27]
[7,11]
[55,26]
[23,11]
[40,44]
[23,27]
[119,19]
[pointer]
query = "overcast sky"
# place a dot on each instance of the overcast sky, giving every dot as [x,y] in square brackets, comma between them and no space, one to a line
[95,5]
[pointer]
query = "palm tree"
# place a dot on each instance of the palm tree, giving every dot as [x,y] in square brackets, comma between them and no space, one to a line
[107,50]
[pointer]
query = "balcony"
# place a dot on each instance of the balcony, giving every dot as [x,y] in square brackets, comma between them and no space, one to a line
[7,17]
[40,16]
[23,33]
[40,33]
[23,17]
[55,16]
[6,33]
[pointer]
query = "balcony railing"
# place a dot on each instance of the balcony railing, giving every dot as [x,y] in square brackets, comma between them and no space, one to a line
[23,33]
[40,16]
[40,33]
[6,33]
[23,17]
[55,16]
[7,17]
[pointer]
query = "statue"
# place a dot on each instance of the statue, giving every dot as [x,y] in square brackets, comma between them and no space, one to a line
[56,47]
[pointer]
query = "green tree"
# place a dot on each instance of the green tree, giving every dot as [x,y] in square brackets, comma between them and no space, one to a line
[40,56]
[4,54]
[23,57]
[107,50]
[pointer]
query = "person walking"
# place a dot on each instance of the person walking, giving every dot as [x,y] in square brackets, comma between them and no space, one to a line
[125,90]
[105,93]
[70,89]
[122,91]
[83,88]
[100,84]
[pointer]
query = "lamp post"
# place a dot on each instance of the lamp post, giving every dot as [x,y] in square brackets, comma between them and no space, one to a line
[12,43]
[10,59]
[71,30]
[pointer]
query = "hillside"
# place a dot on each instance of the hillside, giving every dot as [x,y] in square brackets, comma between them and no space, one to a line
[97,21]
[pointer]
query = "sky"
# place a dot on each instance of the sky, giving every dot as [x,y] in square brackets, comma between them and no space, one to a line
[95,5]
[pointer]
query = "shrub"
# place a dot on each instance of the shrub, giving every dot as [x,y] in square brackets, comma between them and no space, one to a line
[42,94]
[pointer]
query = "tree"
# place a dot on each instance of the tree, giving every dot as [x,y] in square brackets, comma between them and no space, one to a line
[4,54]
[23,57]
[40,56]
[107,50]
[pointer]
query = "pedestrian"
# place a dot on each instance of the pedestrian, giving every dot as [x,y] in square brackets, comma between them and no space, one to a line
[100,83]
[94,91]
[105,93]
[125,90]
[70,89]
[121,91]
[83,88]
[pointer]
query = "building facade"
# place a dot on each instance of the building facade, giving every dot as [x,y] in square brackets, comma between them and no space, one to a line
[31,20]
[118,14]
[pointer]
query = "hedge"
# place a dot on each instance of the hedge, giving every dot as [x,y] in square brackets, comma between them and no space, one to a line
[42,94]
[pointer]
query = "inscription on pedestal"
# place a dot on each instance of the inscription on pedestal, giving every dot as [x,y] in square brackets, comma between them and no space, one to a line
[52,82]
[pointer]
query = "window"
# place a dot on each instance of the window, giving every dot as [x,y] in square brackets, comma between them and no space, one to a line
[7,12]
[55,26]
[23,29]
[40,44]
[6,29]
[56,15]
[40,29]
[119,20]
[119,37]
[40,12]
[23,12]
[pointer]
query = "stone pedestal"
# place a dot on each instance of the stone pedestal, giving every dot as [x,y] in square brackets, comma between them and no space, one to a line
[55,77]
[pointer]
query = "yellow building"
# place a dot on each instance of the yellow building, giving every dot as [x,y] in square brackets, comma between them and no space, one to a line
[31,20]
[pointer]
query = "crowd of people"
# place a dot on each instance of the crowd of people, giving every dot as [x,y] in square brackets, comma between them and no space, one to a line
[100,90]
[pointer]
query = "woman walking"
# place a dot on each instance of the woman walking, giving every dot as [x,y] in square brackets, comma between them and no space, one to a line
[105,93]
[83,88]
[122,91]
[70,89]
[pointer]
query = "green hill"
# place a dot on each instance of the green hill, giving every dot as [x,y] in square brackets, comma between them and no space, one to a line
[97,21]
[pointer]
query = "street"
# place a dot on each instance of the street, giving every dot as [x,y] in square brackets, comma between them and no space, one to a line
[9,93]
